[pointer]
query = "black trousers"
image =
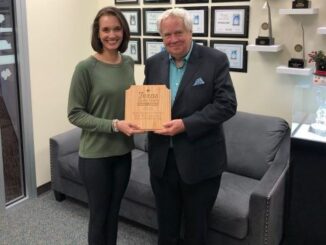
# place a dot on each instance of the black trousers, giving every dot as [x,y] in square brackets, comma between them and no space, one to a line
[177,201]
[106,180]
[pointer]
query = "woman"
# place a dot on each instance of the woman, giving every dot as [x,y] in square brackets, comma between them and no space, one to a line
[96,103]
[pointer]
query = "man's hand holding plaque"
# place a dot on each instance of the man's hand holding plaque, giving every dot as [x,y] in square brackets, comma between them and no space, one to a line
[148,106]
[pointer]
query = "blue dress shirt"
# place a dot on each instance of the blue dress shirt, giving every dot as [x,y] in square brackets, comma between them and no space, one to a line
[176,74]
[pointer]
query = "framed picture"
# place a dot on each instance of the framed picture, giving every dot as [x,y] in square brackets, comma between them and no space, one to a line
[133,19]
[230,21]
[152,46]
[200,41]
[156,1]
[199,21]
[190,1]
[224,1]
[125,1]
[235,51]
[150,16]
[134,50]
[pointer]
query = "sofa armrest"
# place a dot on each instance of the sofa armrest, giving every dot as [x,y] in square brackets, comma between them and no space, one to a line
[61,145]
[66,142]
[267,200]
[140,141]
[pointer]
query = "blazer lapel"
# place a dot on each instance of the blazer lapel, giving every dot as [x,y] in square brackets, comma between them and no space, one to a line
[164,71]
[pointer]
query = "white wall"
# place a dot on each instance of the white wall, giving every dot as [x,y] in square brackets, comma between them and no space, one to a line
[59,37]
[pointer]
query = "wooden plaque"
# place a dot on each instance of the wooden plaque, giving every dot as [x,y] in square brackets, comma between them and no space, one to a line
[148,106]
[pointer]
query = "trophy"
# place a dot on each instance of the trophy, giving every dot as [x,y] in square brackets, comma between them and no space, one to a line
[298,57]
[301,4]
[265,36]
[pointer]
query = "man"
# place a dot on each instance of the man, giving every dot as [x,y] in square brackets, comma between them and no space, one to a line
[187,156]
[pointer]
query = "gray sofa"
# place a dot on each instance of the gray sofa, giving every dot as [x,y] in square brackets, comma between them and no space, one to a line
[250,204]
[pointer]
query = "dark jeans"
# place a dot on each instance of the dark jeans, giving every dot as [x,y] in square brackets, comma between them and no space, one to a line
[176,200]
[106,180]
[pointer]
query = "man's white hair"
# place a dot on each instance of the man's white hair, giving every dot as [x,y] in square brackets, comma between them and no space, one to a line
[175,12]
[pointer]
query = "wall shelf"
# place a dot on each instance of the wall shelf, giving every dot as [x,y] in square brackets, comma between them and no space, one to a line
[321,30]
[294,71]
[298,11]
[264,48]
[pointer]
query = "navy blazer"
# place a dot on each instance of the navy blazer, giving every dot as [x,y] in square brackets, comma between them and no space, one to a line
[205,99]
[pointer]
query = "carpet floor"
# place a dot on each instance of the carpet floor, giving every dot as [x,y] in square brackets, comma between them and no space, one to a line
[43,220]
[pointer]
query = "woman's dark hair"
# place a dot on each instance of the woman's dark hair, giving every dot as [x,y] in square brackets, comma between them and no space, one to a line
[110,11]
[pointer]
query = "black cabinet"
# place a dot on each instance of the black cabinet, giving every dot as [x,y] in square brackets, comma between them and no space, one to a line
[306,207]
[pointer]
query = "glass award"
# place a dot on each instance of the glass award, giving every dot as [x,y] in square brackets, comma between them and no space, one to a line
[265,35]
[301,4]
[319,126]
[298,49]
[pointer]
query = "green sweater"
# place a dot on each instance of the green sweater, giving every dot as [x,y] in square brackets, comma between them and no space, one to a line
[96,97]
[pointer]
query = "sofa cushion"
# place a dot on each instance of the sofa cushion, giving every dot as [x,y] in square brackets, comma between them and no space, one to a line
[231,208]
[68,166]
[140,141]
[252,142]
[139,188]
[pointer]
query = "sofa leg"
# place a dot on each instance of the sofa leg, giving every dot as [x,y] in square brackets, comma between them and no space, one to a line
[59,196]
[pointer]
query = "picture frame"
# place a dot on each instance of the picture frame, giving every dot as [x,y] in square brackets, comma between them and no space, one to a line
[203,42]
[156,1]
[224,1]
[150,16]
[152,46]
[236,52]
[132,16]
[134,50]
[200,20]
[117,2]
[190,1]
[230,21]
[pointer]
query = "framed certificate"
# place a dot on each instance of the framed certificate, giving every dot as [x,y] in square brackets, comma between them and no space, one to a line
[199,21]
[134,50]
[223,1]
[235,51]
[230,21]
[152,46]
[156,1]
[150,17]
[190,1]
[125,1]
[133,19]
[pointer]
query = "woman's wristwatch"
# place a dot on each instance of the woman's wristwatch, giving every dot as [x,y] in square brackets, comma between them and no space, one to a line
[114,125]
